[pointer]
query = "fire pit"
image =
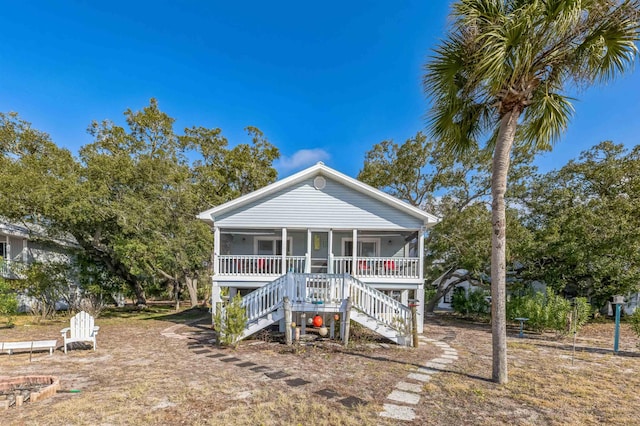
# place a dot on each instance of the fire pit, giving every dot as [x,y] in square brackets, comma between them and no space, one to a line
[14,391]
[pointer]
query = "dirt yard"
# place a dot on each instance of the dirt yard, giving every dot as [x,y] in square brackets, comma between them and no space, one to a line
[153,369]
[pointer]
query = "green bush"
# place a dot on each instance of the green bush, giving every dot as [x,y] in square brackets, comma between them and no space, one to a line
[230,322]
[8,302]
[634,320]
[45,283]
[549,311]
[473,303]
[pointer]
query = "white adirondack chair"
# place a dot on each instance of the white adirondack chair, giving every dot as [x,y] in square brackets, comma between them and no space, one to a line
[81,330]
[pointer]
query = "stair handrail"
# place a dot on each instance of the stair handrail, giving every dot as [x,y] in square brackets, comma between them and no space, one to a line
[383,308]
[375,304]
[265,300]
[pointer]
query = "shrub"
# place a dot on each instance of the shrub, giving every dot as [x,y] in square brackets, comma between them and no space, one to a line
[8,302]
[230,322]
[635,323]
[45,284]
[549,311]
[473,303]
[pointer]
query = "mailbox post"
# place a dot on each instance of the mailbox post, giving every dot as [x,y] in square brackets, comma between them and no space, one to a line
[618,301]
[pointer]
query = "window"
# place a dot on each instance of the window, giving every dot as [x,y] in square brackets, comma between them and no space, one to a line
[367,247]
[271,246]
[3,250]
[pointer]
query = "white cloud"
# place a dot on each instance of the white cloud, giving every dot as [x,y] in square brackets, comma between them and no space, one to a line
[301,159]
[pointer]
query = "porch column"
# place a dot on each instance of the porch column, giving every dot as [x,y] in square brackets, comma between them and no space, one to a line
[404,297]
[307,260]
[8,248]
[419,293]
[215,297]
[354,253]
[420,310]
[330,252]
[284,252]
[25,250]
[420,249]
[216,250]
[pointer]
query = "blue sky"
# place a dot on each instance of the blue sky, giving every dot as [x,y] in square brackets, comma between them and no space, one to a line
[323,81]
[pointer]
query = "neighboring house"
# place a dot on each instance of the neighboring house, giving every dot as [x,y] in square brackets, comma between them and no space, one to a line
[631,303]
[319,237]
[21,246]
[445,301]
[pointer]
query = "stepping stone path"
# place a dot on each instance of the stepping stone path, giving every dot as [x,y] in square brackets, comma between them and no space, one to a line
[408,393]
[398,405]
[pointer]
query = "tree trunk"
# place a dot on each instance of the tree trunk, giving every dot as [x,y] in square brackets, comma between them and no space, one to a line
[501,157]
[101,255]
[444,287]
[192,288]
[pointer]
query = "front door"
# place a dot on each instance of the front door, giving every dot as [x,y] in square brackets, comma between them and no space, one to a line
[319,252]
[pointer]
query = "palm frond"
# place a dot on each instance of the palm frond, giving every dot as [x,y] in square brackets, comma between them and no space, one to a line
[519,55]
[546,119]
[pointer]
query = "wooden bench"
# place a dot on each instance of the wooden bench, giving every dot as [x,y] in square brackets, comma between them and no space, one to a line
[31,345]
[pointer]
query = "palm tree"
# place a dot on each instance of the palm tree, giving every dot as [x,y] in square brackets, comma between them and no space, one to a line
[504,71]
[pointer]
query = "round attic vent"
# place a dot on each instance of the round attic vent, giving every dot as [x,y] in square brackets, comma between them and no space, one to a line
[319,182]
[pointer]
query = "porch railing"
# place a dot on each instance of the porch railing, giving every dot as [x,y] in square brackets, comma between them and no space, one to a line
[378,267]
[366,267]
[259,265]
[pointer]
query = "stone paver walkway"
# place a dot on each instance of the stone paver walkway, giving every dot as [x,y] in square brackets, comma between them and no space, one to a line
[407,393]
[399,403]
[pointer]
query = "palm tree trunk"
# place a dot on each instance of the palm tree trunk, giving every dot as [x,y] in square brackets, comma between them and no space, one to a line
[501,157]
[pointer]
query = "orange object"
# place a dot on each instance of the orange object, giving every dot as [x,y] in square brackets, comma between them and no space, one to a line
[317,321]
[336,317]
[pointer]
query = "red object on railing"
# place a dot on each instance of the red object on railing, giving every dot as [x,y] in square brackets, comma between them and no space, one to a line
[389,265]
[261,263]
[363,265]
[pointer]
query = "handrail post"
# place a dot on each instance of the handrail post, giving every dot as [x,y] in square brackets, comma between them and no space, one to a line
[346,322]
[287,320]
[414,323]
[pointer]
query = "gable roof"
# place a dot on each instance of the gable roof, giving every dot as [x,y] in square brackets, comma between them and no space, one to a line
[316,170]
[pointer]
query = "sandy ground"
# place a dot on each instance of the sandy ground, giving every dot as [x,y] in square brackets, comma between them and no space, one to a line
[138,375]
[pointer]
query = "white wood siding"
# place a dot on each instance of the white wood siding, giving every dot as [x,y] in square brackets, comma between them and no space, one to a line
[303,206]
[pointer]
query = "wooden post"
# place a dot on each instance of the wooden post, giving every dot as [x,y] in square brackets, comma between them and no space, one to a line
[303,320]
[287,321]
[414,323]
[332,332]
[347,320]
[297,334]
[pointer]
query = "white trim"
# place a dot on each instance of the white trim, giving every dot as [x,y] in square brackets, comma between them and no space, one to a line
[216,249]
[320,169]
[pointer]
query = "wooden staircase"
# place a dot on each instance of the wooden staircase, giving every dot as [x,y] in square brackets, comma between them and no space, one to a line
[328,293]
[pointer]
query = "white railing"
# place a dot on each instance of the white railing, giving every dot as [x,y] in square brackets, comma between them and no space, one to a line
[378,267]
[258,265]
[296,263]
[366,267]
[378,305]
[316,288]
[265,300]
